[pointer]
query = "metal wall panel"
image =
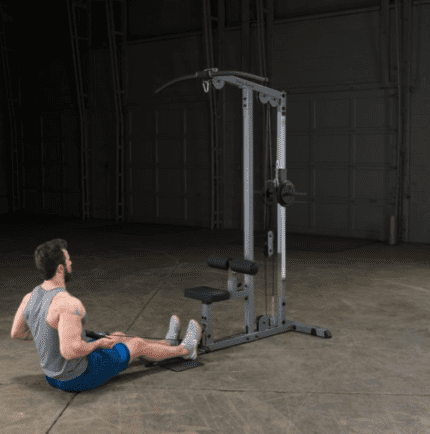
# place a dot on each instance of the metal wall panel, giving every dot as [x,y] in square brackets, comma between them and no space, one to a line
[419,213]
[341,150]
[153,64]
[342,127]
[169,165]
[102,136]
[52,182]
[148,19]
[341,146]
[5,151]
[293,8]
[71,163]
[44,187]
[32,176]
[338,50]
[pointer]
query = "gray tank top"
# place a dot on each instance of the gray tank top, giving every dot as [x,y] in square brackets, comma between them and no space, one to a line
[47,339]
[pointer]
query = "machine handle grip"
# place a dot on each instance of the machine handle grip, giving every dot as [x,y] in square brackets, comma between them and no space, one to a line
[93,335]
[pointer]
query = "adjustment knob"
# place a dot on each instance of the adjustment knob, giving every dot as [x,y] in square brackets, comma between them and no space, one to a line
[286,193]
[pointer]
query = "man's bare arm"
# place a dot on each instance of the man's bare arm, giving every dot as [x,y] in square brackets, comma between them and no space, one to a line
[26,336]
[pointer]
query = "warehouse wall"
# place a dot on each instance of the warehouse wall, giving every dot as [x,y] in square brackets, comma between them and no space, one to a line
[102,137]
[341,146]
[341,143]
[169,166]
[40,55]
[419,152]
[51,152]
[342,125]
[4,151]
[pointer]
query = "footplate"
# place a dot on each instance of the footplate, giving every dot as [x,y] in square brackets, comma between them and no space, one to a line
[180,365]
[177,365]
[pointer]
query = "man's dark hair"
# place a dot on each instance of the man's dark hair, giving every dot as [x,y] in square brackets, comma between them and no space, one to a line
[48,256]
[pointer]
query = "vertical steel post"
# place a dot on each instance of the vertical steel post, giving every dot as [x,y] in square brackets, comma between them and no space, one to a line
[281,248]
[248,200]
[207,36]
[221,119]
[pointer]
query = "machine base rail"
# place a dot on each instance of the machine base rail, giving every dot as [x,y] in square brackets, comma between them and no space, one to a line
[252,337]
[180,364]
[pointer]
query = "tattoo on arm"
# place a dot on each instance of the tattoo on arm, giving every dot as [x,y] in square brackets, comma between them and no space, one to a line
[76,312]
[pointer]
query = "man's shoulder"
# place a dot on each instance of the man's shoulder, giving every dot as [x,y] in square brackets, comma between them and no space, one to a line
[69,302]
[64,295]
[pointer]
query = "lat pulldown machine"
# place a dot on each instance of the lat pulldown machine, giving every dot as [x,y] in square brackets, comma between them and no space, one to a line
[279,191]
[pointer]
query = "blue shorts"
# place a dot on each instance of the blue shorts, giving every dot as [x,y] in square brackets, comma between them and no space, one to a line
[103,364]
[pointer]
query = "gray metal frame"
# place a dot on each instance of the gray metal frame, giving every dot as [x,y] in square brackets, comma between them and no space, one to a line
[267,326]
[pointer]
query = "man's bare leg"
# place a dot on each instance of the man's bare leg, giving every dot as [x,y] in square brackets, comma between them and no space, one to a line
[153,352]
[119,336]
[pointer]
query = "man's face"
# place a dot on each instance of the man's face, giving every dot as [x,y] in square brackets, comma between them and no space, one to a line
[68,270]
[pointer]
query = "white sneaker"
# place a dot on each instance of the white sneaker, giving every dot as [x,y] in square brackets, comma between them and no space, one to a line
[174,331]
[192,339]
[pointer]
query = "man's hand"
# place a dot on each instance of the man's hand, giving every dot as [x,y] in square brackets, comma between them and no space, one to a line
[107,343]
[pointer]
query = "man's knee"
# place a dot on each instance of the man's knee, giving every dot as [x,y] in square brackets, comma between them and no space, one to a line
[135,347]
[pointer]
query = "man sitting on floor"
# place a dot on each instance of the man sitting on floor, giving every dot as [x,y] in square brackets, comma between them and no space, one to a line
[56,320]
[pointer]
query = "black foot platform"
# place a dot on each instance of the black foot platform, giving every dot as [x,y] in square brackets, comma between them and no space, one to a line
[177,365]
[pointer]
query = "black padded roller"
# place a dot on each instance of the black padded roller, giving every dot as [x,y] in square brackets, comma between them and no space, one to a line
[241,265]
[222,263]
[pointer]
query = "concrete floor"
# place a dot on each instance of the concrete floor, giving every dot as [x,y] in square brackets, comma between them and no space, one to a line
[372,376]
